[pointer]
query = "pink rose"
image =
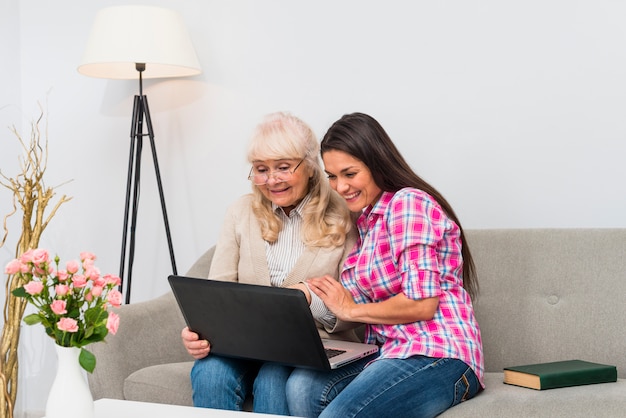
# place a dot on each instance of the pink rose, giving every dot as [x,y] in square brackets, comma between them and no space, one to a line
[85,255]
[88,260]
[58,307]
[62,275]
[96,291]
[67,324]
[115,297]
[61,289]
[79,281]
[100,281]
[72,266]
[113,322]
[88,264]
[33,287]
[27,257]
[92,273]
[14,266]
[39,272]
[40,256]
[111,279]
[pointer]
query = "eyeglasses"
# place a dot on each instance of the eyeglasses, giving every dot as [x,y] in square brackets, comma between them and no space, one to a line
[279,175]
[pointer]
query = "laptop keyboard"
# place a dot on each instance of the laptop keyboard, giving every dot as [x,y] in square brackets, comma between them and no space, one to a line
[330,352]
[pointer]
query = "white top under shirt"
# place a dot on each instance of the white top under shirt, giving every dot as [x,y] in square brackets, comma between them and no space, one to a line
[283,254]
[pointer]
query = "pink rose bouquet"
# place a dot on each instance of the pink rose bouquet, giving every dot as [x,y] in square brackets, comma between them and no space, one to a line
[72,303]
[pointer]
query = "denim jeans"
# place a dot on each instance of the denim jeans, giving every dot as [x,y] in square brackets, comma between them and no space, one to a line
[415,387]
[309,391]
[224,383]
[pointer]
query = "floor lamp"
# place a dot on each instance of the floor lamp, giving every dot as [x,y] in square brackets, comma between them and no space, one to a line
[137,42]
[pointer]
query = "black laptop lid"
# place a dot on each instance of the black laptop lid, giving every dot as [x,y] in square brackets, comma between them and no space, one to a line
[251,321]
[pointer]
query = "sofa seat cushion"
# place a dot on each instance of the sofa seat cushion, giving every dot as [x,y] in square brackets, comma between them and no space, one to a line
[170,384]
[502,400]
[163,383]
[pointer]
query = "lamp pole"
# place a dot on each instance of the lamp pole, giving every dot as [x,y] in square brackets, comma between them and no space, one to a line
[141,111]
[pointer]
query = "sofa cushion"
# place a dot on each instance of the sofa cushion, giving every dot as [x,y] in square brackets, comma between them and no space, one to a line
[550,295]
[163,383]
[502,400]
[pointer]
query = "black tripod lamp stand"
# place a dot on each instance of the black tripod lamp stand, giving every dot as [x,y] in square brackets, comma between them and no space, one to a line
[141,113]
[149,42]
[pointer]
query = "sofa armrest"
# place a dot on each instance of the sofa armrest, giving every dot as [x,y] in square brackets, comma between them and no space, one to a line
[148,335]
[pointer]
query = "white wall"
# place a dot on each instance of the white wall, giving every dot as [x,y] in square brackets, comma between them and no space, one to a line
[516,111]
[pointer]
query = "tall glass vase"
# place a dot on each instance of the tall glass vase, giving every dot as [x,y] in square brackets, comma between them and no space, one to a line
[69,395]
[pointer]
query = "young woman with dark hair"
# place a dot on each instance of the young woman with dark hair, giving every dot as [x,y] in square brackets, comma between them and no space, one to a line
[410,279]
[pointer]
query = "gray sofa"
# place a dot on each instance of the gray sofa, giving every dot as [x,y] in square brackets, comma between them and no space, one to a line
[545,295]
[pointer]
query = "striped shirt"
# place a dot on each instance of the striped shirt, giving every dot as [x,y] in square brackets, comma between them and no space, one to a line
[408,245]
[283,254]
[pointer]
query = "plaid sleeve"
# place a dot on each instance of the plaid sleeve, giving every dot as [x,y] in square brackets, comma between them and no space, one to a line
[415,229]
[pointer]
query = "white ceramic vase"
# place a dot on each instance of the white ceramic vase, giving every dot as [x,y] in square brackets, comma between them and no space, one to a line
[69,395]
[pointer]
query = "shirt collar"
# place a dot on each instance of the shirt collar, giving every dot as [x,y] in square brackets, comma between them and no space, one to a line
[371,212]
[380,205]
[298,209]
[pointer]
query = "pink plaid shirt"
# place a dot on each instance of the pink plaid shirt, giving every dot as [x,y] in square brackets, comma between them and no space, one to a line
[407,244]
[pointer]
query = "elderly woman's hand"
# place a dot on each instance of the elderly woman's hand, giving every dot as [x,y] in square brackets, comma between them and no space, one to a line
[196,347]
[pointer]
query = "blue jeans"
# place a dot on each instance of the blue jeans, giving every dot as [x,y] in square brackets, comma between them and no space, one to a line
[310,391]
[415,387]
[225,383]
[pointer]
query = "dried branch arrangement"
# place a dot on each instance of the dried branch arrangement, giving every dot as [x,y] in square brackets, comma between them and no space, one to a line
[32,197]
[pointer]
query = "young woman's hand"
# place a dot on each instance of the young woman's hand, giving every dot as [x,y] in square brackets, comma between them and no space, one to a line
[334,296]
[397,309]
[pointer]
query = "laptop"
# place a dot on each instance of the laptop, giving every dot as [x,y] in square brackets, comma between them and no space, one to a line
[260,323]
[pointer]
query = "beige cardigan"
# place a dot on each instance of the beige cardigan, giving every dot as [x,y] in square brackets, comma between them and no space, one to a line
[240,256]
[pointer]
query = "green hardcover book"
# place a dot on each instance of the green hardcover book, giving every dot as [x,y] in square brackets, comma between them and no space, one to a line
[559,374]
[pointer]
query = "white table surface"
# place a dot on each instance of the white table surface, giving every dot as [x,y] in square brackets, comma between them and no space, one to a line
[107,408]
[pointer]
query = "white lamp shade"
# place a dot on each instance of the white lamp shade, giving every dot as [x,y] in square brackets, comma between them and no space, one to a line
[122,36]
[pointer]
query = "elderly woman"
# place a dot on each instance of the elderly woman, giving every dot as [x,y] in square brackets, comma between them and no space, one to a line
[292,227]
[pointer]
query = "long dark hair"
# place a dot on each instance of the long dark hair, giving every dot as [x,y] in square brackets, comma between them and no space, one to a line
[362,137]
